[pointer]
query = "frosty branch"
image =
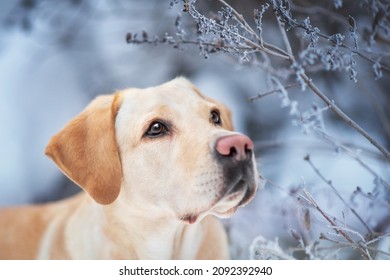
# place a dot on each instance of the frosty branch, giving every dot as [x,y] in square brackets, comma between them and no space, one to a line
[342,236]
[330,184]
[309,198]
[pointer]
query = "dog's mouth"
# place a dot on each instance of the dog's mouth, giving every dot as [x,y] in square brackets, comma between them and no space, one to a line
[237,187]
[239,194]
[228,201]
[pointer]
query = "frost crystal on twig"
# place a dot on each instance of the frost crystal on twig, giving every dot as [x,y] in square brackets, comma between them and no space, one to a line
[258,17]
[263,249]
[338,4]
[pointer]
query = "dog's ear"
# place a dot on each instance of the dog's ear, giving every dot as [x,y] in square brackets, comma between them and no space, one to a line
[86,150]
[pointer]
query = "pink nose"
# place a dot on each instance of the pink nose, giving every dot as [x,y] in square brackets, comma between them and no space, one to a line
[237,146]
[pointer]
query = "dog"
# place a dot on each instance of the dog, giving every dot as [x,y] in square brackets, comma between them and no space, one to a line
[156,166]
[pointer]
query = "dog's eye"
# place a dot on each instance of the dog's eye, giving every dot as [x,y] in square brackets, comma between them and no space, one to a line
[156,129]
[215,117]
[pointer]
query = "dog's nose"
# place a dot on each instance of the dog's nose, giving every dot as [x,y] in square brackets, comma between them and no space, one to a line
[238,147]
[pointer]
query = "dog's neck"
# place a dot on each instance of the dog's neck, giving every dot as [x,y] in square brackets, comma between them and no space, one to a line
[158,235]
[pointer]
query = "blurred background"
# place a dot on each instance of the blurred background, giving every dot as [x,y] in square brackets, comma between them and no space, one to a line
[55,56]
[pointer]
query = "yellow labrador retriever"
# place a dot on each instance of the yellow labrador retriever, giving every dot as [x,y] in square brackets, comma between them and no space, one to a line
[156,165]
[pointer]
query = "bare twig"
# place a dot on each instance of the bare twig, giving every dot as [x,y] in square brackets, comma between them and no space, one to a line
[379,107]
[336,228]
[353,155]
[344,116]
[285,39]
[318,10]
[330,184]
[250,30]
[379,238]
[241,20]
[361,243]
[346,245]
[269,49]
[133,39]
[264,94]
[347,147]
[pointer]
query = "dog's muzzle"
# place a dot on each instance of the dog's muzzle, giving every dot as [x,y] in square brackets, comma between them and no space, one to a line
[235,155]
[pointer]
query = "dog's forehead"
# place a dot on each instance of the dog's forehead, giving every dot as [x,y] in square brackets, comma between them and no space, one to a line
[177,95]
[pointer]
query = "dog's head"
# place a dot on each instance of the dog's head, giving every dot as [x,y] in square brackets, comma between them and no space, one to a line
[166,147]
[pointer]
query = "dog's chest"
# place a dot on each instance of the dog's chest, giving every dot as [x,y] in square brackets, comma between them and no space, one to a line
[172,243]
